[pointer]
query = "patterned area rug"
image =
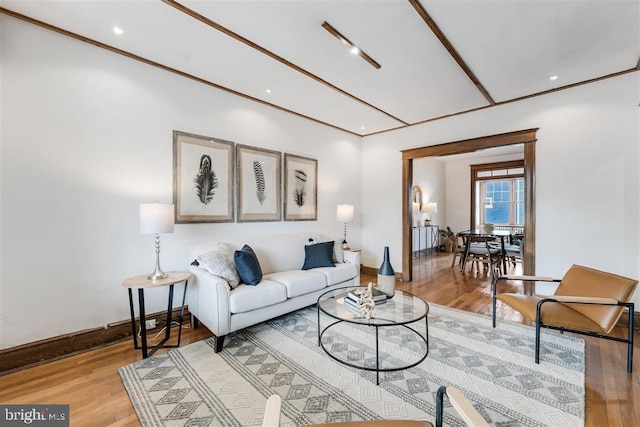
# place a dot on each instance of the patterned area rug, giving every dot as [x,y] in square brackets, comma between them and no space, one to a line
[494,368]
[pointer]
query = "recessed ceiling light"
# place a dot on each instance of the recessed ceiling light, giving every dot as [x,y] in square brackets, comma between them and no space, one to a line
[554,77]
[118,31]
[268,90]
[362,128]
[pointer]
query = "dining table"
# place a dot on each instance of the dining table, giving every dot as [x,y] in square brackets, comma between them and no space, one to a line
[499,234]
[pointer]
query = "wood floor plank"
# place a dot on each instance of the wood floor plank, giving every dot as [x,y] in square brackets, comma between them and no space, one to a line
[90,384]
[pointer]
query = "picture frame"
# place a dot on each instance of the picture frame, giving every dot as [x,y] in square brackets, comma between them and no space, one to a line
[203,172]
[258,183]
[300,188]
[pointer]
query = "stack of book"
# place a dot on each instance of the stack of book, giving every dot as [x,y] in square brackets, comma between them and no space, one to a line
[353,300]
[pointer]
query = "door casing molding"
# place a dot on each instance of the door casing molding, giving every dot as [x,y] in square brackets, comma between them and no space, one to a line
[526,137]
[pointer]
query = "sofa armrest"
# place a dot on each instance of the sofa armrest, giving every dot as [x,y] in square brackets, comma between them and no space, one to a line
[351,257]
[209,300]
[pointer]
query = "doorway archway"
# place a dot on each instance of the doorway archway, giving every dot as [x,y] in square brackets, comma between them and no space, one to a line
[525,137]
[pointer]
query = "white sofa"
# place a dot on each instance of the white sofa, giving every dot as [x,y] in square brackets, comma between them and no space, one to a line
[285,287]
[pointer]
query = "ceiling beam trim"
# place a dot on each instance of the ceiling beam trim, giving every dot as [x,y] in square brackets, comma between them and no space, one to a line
[509,101]
[144,60]
[473,144]
[345,41]
[272,55]
[449,47]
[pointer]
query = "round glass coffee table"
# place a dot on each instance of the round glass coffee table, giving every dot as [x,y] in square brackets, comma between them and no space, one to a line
[350,340]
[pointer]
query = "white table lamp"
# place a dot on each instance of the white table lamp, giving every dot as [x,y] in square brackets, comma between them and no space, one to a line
[156,218]
[429,208]
[344,214]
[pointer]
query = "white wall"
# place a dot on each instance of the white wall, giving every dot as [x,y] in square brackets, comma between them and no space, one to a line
[429,175]
[86,136]
[587,182]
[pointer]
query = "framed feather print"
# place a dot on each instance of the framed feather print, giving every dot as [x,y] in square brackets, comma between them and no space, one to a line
[300,188]
[202,178]
[258,184]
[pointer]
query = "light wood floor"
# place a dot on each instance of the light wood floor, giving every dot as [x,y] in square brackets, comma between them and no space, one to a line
[90,383]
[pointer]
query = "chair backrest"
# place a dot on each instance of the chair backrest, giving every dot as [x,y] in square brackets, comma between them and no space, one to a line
[481,239]
[588,282]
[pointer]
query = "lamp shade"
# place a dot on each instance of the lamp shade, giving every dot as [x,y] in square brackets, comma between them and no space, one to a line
[344,213]
[156,218]
[430,207]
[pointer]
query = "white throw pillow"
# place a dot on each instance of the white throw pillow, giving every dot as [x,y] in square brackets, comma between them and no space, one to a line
[220,262]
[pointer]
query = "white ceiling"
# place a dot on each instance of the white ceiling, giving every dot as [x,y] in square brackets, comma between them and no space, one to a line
[512,47]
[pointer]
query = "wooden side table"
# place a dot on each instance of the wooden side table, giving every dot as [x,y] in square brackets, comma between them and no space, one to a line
[141,283]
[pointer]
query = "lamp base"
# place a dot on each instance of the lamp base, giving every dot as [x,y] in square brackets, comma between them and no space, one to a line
[157,276]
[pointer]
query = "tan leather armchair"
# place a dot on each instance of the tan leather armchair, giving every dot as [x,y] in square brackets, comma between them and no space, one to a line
[461,404]
[587,301]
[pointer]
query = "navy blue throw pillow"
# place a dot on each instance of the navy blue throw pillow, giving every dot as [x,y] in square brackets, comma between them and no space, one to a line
[248,266]
[318,255]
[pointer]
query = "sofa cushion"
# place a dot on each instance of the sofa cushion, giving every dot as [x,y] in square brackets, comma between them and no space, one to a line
[318,255]
[246,298]
[339,273]
[220,262]
[248,266]
[299,282]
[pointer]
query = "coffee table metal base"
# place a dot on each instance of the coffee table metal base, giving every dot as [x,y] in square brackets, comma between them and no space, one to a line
[377,368]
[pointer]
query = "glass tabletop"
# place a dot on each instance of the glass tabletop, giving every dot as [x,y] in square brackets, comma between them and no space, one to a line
[400,309]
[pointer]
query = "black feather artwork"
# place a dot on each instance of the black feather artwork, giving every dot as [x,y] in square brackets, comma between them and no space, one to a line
[206,181]
[257,171]
[300,192]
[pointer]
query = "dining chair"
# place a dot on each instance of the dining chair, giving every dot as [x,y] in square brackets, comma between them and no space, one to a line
[479,250]
[459,249]
[586,301]
[514,250]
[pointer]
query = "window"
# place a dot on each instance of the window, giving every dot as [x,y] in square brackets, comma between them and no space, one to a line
[504,202]
[498,195]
